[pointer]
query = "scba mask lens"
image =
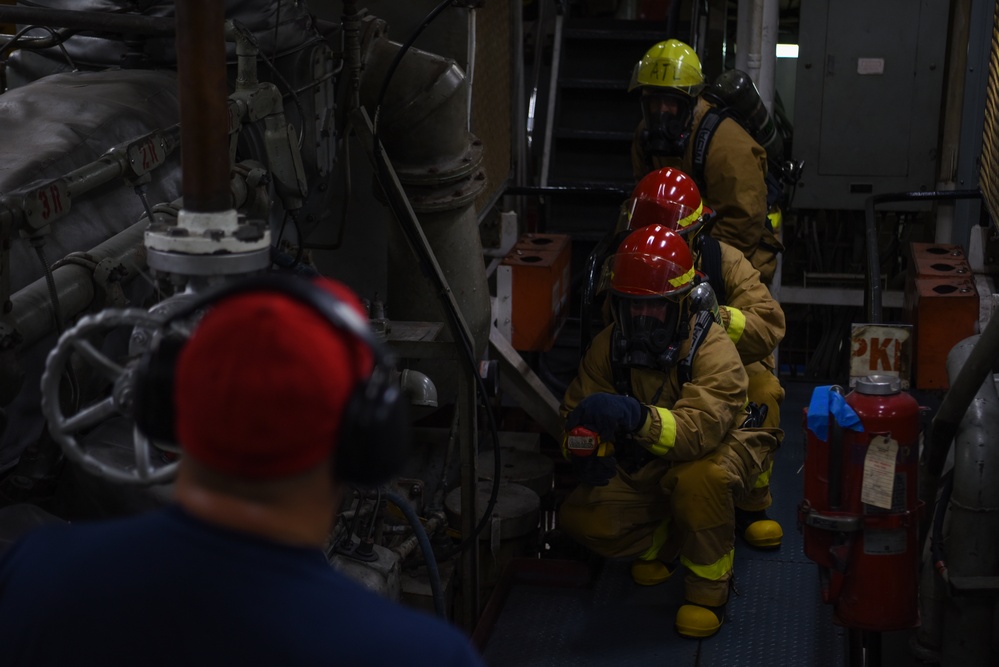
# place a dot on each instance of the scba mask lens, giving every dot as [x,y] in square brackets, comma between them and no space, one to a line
[667,117]
[648,327]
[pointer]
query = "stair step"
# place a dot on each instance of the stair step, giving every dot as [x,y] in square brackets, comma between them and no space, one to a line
[594,135]
[604,29]
[617,85]
[613,190]
[590,166]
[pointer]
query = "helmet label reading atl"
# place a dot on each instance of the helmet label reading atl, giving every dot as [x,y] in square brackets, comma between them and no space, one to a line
[665,72]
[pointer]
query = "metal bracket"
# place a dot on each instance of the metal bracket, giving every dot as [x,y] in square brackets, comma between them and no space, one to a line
[107,277]
[834,523]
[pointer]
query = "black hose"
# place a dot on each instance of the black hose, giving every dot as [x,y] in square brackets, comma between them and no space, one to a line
[937,554]
[428,553]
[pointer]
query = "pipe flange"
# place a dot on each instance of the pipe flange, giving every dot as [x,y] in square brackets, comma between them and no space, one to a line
[444,172]
[448,198]
[208,234]
[209,265]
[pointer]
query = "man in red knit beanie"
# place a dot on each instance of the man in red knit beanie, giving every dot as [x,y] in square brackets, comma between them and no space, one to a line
[234,572]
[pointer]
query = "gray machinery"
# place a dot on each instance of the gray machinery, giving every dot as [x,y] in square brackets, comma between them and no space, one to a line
[105,233]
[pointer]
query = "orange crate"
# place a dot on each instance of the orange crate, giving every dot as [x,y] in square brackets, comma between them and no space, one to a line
[944,311]
[542,243]
[937,260]
[538,283]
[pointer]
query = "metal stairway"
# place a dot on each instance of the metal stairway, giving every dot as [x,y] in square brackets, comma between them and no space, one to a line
[591,120]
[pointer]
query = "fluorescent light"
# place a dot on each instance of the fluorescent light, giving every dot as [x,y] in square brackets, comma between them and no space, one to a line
[787,50]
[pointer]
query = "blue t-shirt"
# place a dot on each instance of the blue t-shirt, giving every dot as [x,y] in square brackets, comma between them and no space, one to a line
[165,588]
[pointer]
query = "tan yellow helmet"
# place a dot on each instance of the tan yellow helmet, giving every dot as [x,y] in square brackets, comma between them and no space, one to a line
[669,64]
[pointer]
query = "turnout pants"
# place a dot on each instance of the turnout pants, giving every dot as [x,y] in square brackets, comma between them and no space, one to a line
[764,389]
[668,509]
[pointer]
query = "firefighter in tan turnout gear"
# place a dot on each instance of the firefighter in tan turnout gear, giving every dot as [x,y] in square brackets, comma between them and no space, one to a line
[752,318]
[680,129]
[665,387]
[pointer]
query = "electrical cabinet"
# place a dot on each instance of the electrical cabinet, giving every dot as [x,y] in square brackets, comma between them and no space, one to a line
[868,99]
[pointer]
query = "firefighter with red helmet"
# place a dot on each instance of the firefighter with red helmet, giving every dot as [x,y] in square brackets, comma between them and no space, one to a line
[732,165]
[752,318]
[666,387]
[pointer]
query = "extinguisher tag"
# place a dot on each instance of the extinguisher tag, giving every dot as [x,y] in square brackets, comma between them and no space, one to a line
[879,472]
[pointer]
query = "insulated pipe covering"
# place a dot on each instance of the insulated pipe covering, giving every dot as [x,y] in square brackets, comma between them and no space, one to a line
[972,545]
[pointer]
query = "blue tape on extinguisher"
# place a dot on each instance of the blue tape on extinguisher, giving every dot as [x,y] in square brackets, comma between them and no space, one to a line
[826,402]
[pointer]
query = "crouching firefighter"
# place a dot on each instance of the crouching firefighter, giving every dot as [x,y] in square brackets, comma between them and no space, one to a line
[662,394]
[732,288]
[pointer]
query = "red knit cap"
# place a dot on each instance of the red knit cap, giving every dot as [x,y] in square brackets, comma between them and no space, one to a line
[262,385]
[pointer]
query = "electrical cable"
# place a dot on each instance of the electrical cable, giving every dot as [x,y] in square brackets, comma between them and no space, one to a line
[277,23]
[9,46]
[74,384]
[300,250]
[34,44]
[50,283]
[433,573]
[374,513]
[426,264]
[284,223]
[59,39]
[140,190]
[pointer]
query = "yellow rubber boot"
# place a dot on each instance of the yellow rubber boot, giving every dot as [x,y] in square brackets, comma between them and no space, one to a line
[697,622]
[758,530]
[650,572]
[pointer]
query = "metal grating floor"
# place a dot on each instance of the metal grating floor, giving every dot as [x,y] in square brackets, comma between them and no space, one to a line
[777,619]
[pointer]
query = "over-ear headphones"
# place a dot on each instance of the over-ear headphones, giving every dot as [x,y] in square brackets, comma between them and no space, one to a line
[373,439]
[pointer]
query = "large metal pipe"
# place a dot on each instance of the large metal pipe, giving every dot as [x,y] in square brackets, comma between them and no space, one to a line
[201,69]
[749,35]
[767,81]
[972,546]
[425,133]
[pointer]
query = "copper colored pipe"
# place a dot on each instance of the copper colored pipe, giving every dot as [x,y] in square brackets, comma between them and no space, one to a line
[204,120]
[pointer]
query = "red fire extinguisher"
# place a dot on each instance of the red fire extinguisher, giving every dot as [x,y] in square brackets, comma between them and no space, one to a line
[860,512]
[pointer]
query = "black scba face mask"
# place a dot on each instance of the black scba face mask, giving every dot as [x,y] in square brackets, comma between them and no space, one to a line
[646,341]
[666,133]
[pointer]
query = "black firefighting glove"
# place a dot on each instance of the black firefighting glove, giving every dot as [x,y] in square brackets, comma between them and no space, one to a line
[755,416]
[594,470]
[610,415]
